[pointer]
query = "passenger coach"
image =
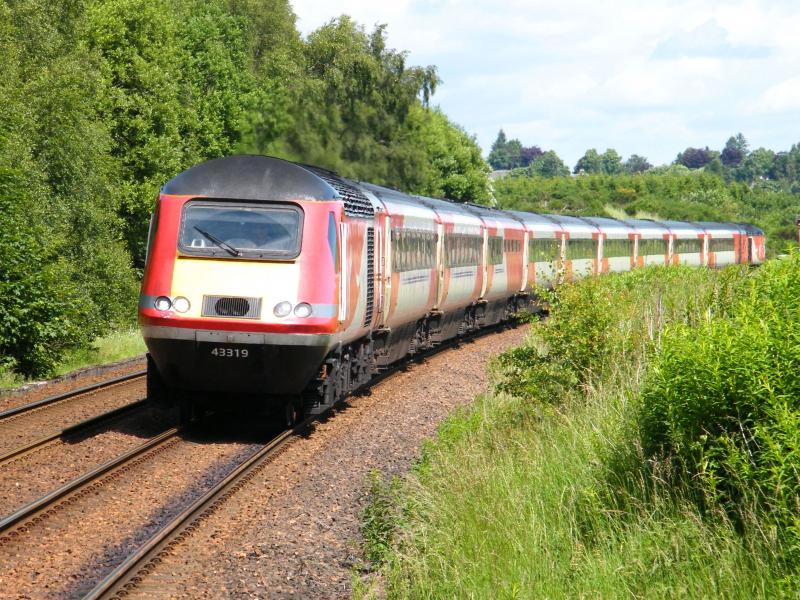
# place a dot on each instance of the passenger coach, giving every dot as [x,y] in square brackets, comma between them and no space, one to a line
[276,283]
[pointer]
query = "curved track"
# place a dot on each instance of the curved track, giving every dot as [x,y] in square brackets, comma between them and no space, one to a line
[131,573]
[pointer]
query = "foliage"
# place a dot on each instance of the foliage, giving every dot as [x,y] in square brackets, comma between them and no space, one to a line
[66,274]
[511,154]
[592,162]
[105,100]
[524,495]
[720,403]
[695,158]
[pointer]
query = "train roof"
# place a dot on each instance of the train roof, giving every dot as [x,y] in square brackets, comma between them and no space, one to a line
[682,228]
[451,211]
[610,226]
[247,177]
[494,216]
[648,226]
[536,222]
[251,177]
[575,225]
[711,227]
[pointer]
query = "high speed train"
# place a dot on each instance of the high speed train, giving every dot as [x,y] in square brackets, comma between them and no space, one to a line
[290,286]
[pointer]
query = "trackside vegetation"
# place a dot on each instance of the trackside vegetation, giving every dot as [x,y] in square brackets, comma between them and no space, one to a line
[643,442]
[105,100]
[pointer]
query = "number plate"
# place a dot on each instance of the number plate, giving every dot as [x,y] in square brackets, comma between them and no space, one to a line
[228,352]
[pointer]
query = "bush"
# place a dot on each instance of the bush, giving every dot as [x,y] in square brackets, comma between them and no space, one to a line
[720,402]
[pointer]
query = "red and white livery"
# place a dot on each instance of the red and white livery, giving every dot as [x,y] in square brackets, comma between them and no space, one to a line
[283,283]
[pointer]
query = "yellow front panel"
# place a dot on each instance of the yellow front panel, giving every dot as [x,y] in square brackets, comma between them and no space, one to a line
[272,281]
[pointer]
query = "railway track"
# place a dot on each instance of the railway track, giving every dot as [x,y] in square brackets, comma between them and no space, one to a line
[34,513]
[22,420]
[134,567]
[128,575]
[68,432]
[123,580]
[26,408]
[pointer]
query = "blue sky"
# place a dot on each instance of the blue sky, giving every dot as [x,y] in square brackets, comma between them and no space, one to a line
[650,77]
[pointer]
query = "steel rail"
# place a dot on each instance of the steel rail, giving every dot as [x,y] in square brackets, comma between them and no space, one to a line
[130,572]
[70,394]
[71,430]
[120,582]
[34,512]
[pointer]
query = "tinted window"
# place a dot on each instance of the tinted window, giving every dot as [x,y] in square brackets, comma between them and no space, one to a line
[224,229]
[690,246]
[543,249]
[581,249]
[616,248]
[652,247]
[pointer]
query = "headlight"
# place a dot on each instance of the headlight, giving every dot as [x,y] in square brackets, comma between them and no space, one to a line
[282,309]
[163,303]
[181,304]
[303,310]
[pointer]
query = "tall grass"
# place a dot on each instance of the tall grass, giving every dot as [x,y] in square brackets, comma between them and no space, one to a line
[551,486]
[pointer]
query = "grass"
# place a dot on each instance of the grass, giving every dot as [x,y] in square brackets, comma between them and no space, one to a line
[505,505]
[618,213]
[543,489]
[117,345]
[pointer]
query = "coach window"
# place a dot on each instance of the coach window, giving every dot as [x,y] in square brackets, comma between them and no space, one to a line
[495,250]
[618,248]
[652,247]
[578,249]
[722,244]
[543,249]
[690,246]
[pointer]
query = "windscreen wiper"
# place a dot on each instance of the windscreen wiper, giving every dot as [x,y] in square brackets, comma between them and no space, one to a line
[224,245]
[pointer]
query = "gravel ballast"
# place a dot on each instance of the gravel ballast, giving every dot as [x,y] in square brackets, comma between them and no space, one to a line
[30,426]
[293,530]
[29,476]
[67,553]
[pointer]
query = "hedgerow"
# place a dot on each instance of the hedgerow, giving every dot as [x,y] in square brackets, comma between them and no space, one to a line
[721,402]
[643,442]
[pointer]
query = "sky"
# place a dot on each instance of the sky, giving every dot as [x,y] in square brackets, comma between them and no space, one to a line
[648,77]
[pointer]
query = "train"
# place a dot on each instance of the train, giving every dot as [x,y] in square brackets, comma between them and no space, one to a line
[287,286]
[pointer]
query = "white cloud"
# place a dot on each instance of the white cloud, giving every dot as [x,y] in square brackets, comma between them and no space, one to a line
[647,77]
[782,97]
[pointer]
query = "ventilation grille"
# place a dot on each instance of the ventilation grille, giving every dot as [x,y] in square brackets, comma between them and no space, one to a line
[231,307]
[370,276]
[356,204]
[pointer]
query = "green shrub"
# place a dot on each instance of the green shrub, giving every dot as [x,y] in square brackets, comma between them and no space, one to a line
[721,403]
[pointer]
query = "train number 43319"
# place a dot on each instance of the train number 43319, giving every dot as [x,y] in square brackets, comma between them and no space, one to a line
[230,352]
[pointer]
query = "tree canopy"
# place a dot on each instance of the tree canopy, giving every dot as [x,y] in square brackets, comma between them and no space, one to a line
[105,100]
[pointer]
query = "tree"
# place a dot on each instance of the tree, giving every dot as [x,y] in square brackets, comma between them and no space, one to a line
[612,162]
[549,164]
[505,153]
[453,165]
[735,151]
[715,167]
[695,158]
[636,164]
[529,154]
[758,165]
[589,163]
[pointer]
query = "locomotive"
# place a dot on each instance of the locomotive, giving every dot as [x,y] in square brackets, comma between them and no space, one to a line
[290,286]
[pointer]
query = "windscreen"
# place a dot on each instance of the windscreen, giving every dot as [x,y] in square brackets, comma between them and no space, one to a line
[240,230]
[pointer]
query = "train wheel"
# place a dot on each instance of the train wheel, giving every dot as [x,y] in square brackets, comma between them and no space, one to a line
[292,413]
[188,412]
